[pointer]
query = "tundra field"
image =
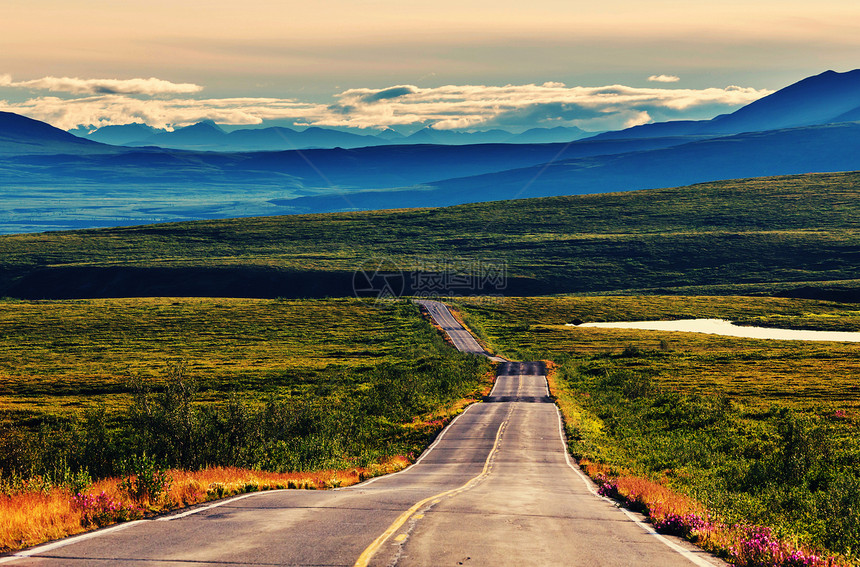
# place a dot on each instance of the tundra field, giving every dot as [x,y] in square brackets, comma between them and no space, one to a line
[756,431]
[795,235]
[106,388]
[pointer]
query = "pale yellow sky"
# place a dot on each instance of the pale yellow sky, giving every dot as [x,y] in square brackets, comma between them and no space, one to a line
[52,21]
[312,50]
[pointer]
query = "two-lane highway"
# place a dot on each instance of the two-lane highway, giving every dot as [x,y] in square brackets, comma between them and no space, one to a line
[533,508]
[496,488]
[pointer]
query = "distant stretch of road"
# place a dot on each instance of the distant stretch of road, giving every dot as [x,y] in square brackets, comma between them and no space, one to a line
[496,488]
[462,339]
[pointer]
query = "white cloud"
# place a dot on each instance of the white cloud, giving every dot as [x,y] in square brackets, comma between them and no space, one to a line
[161,113]
[515,107]
[638,119]
[150,87]
[664,79]
[474,106]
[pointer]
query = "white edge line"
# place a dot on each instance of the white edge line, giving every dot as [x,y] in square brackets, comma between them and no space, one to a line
[495,383]
[441,433]
[431,303]
[68,541]
[549,395]
[692,555]
[214,505]
[125,525]
[420,458]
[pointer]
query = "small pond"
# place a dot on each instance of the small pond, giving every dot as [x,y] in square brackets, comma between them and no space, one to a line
[729,329]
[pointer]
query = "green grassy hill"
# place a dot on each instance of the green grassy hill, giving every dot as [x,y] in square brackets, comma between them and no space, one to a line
[778,234]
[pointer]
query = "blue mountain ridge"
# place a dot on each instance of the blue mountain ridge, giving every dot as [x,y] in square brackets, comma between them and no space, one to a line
[827,98]
[203,136]
[95,184]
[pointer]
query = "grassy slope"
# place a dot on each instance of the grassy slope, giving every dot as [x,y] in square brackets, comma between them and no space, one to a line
[333,390]
[279,385]
[730,234]
[761,431]
[63,356]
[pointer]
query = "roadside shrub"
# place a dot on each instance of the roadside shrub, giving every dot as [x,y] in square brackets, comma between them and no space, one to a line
[781,468]
[757,546]
[343,417]
[216,490]
[146,481]
[607,487]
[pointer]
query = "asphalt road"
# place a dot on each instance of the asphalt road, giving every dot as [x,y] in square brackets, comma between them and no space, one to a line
[462,339]
[495,489]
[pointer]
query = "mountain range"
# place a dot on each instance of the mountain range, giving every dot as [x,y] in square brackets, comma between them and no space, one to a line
[51,179]
[208,136]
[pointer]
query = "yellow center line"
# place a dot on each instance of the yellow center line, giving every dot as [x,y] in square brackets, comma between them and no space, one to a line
[367,554]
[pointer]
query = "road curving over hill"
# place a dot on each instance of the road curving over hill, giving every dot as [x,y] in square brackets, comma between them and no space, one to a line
[496,488]
[462,339]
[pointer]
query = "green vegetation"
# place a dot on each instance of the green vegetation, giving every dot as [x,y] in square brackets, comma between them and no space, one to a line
[764,235]
[92,387]
[759,431]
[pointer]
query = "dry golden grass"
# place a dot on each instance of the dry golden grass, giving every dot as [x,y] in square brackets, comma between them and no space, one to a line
[30,518]
[33,518]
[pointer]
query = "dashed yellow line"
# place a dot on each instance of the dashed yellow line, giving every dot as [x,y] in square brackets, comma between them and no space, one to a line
[367,554]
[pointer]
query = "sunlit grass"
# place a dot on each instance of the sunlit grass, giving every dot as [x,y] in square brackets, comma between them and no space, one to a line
[31,518]
[306,394]
[61,357]
[757,373]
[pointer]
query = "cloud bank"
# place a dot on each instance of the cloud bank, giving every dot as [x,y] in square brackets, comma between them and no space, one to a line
[102,102]
[664,79]
[150,87]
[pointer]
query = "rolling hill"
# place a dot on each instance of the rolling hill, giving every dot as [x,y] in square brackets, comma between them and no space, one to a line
[52,180]
[829,148]
[20,135]
[794,235]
